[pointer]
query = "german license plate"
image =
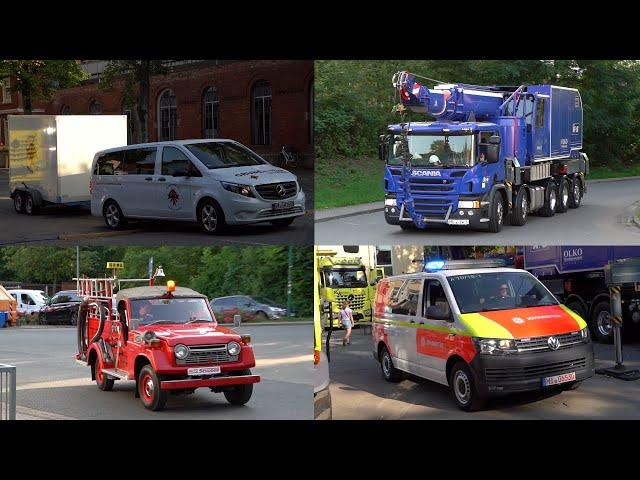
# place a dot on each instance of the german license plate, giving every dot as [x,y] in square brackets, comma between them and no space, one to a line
[558,379]
[456,221]
[203,371]
[282,205]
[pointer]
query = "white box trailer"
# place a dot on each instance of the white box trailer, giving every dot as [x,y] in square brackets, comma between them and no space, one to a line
[50,156]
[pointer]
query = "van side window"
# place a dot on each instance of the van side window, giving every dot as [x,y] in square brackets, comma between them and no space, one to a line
[173,159]
[435,296]
[404,297]
[140,161]
[109,164]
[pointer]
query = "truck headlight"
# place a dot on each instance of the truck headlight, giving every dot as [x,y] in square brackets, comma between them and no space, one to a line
[468,204]
[244,190]
[181,351]
[495,346]
[233,348]
[390,202]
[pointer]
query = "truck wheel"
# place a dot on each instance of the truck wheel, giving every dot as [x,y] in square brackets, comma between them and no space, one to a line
[563,196]
[282,222]
[153,398]
[464,390]
[211,217]
[407,226]
[601,324]
[496,214]
[578,308]
[575,196]
[113,216]
[18,202]
[239,394]
[104,383]
[520,208]
[550,199]
[389,372]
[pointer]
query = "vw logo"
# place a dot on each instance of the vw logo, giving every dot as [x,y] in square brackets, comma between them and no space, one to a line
[281,191]
[554,343]
[350,297]
[517,320]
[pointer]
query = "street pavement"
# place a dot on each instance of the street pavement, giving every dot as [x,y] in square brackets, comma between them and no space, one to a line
[604,218]
[76,226]
[52,386]
[359,392]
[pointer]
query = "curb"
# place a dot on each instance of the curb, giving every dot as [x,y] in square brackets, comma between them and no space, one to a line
[80,236]
[616,179]
[355,210]
[636,216]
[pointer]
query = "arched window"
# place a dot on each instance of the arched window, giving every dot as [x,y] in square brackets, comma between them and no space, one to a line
[210,113]
[95,108]
[167,116]
[129,112]
[261,113]
[65,110]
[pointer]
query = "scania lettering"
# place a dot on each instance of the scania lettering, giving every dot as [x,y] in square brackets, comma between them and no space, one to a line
[493,154]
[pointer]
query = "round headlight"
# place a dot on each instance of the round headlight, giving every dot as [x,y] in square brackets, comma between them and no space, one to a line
[233,348]
[181,351]
[148,336]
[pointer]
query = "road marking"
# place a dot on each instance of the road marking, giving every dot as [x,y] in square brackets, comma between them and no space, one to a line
[71,382]
[26,413]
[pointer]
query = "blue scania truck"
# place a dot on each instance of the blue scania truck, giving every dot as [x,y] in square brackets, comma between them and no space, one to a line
[493,154]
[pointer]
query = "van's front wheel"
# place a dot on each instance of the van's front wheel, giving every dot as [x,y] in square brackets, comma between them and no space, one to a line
[113,216]
[463,388]
[211,217]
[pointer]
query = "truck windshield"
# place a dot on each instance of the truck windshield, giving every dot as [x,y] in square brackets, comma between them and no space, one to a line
[345,278]
[435,151]
[483,292]
[224,155]
[169,310]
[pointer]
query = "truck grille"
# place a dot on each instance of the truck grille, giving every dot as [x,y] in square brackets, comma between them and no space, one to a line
[269,191]
[430,186]
[533,372]
[276,213]
[540,344]
[355,303]
[207,354]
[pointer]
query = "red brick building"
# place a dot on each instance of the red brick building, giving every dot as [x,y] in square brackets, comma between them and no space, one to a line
[263,104]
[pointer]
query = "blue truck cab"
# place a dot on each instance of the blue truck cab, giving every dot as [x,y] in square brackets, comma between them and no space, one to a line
[491,154]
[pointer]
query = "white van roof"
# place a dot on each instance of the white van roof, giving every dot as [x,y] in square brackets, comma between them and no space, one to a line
[461,271]
[168,142]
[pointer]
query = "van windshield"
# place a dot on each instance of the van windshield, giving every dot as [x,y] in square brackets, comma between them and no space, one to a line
[224,155]
[169,310]
[483,292]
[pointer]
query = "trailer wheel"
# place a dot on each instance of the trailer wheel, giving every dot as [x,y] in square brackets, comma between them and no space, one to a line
[153,398]
[575,196]
[550,199]
[104,383]
[496,213]
[239,394]
[563,196]
[463,389]
[601,324]
[18,202]
[520,208]
[113,216]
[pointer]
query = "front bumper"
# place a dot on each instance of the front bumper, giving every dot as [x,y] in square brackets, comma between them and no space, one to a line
[240,210]
[193,383]
[391,210]
[500,374]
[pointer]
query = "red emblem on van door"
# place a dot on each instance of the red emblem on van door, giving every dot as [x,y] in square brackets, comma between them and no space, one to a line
[174,197]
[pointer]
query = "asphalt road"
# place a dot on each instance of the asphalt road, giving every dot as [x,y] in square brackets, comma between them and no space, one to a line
[604,218]
[75,226]
[51,385]
[359,392]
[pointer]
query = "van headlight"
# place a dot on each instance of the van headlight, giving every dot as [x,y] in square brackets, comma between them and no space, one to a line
[181,351]
[495,346]
[233,348]
[244,190]
[584,333]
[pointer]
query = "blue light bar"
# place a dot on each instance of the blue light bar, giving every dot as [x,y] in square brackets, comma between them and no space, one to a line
[434,265]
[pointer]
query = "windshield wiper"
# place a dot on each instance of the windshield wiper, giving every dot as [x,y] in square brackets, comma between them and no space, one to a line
[198,320]
[157,321]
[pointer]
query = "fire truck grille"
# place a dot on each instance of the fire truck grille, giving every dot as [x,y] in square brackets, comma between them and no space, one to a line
[356,302]
[541,344]
[533,372]
[207,354]
[270,191]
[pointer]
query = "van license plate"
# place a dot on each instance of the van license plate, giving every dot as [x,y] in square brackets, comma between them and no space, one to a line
[203,371]
[458,222]
[281,205]
[558,379]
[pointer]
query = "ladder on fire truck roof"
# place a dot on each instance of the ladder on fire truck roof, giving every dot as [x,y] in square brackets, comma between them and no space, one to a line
[102,288]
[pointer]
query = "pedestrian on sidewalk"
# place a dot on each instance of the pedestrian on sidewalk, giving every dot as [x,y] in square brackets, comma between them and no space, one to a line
[346,317]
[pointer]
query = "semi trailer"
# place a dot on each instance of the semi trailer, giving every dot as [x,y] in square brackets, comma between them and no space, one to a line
[493,154]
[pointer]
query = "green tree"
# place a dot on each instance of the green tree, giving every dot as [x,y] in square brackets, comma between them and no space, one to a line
[40,79]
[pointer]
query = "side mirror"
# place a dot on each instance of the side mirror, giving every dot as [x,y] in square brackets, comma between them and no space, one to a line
[493,152]
[382,147]
[437,312]
[494,140]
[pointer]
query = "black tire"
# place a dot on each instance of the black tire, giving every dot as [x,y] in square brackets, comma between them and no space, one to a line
[407,226]
[239,394]
[261,317]
[104,383]
[496,213]
[578,308]
[575,193]
[30,208]
[601,325]
[562,205]
[282,222]
[18,202]
[550,199]
[463,389]
[389,372]
[113,216]
[73,318]
[148,385]
[211,217]
[520,209]
[573,385]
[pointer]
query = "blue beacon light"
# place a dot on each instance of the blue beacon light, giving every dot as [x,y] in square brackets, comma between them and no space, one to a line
[434,265]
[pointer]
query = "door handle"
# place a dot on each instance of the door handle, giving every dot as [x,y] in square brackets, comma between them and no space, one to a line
[148,179]
[162,179]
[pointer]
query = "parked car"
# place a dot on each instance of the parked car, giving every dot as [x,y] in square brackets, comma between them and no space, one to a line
[29,301]
[249,308]
[62,308]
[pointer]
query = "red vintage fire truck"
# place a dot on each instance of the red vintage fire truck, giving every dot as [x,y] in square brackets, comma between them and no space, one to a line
[167,339]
